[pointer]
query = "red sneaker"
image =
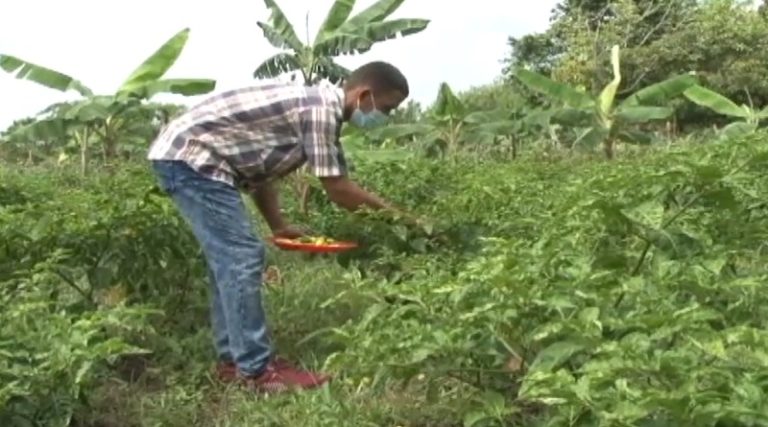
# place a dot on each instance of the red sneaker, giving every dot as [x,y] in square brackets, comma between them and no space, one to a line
[226,371]
[280,376]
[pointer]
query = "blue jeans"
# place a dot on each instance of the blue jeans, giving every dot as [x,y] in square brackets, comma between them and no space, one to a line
[235,257]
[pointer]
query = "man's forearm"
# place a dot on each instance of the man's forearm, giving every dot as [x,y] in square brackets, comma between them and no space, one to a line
[267,200]
[352,197]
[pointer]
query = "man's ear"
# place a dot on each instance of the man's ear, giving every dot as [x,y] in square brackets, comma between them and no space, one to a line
[365,95]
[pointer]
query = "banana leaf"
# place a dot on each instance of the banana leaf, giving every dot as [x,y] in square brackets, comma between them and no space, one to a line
[736,130]
[374,13]
[635,137]
[661,92]
[336,17]
[186,87]
[763,114]
[715,102]
[280,32]
[591,137]
[47,77]
[573,117]
[278,64]
[557,91]
[155,67]
[447,103]
[641,114]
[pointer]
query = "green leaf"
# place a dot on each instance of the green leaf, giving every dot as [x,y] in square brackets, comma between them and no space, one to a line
[574,117]
[46,129]
[186,87]
[447,103]
[276,65]
[763,114]
[557,91]
[338,43]
[641,114]
[47,77]
[538,118]
[499,128]
[609,92]
[360,40]
[635,137]
[480,117]
[374,13]
[338,14]
[280,32]
[737,129]
[676,244]
[380,31]
[155,67]
[555,355]
[649,214]
[328,69]
[591,137]
[90,110]
[661,92]
[472,418]
[715,102]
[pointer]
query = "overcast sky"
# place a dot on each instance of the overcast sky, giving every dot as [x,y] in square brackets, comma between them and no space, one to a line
[101,42]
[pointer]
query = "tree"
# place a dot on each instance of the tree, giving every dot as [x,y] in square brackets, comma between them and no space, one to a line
[338,35]
[103,114]
[724,41]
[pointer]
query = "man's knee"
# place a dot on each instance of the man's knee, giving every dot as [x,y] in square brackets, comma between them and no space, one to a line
[246,255]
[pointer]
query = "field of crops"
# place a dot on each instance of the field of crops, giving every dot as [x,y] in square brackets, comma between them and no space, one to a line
[560,292]
[593,250]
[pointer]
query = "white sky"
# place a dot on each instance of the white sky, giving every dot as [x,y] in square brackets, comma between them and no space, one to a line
[101,42]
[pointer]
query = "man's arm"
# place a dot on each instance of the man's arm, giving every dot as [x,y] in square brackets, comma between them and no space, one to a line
[326,161]
[268,201]
[345,193]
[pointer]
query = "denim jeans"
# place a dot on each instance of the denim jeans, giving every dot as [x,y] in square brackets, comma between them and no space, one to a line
[235,258]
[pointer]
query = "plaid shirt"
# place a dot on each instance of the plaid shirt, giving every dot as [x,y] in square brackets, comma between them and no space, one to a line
[255,134]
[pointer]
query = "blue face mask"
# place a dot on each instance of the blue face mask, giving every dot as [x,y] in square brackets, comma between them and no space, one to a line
[368,120]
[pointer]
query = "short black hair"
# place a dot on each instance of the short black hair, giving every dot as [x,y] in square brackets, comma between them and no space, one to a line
[380,76]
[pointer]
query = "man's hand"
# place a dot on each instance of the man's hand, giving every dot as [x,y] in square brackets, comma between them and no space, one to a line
[350,196]
[291,232]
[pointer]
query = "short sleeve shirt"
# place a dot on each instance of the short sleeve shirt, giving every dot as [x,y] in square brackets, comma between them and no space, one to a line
[256,134]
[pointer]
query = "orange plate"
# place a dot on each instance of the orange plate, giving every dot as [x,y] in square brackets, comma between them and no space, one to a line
[291,245]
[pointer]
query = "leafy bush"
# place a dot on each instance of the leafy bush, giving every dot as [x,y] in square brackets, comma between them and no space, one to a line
[73,255]
[51,353]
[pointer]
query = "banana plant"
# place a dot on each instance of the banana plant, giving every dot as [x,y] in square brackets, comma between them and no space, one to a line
[599,119]
[338,35]
[102,114]
[750,117]
[449,124]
